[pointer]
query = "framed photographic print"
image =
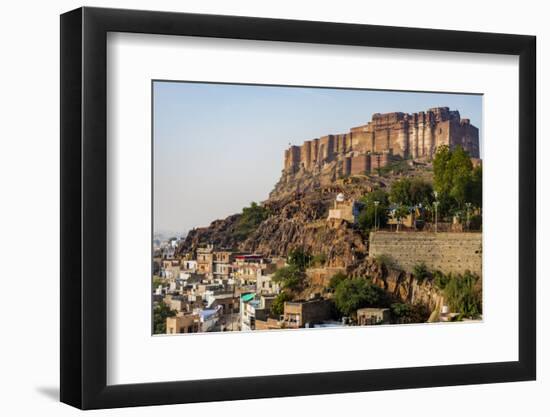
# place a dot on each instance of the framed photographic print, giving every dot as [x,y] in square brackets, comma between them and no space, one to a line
[278,208]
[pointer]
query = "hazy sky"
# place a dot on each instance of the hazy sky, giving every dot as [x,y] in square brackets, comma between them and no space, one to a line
[217,147]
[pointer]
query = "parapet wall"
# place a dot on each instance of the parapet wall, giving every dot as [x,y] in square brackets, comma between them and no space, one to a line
[446,252]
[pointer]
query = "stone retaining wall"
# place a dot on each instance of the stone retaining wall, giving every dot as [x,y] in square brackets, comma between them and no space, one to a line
[447,252]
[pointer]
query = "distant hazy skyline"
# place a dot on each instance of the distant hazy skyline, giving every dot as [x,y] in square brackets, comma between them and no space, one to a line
[217,147]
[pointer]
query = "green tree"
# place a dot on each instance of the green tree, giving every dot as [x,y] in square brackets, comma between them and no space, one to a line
[367,217]
[376,195]
[421,192]
[371,212]
[409,313]
[460,165]
[299,258]
[400,192]
[277,307]
[463,294]
[475,192]
[250,219]
[440,280]
[411,192]
[157,281]
[442,174]
[407,193]
[456,180]
[160,312]
[355,293]
[336,279]
[401,211]
[387,260]
[290,277]
[400,311]
[420,271]
[319,260]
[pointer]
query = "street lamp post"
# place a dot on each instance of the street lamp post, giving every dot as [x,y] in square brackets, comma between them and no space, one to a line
[376,215]
[468,205]
[436,203]
[398,212]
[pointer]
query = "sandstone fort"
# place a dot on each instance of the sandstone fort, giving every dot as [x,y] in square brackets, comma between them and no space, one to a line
[386,138]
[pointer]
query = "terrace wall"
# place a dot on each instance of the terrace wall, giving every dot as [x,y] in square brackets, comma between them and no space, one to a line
[447,252]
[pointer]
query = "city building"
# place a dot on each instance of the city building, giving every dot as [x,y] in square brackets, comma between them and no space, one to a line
[205,260]
[222,261]
[344,209]
[189,265]
[208,318]
[229,304]
[256,308]
[301,313]
[182,323]
[247,268]
[369,316]
[246,322]
[266,285]
[178,303]
[170,268]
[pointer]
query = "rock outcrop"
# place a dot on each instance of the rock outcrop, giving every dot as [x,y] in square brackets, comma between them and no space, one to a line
[298,221]
[220,233]
[402,285]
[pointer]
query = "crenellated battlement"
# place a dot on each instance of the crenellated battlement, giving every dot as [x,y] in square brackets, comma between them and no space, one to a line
[387,136]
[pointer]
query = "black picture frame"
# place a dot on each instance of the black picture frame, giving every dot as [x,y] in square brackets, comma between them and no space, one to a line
[84,207]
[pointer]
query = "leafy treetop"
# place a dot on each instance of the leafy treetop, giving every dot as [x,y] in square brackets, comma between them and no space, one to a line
[372,214]
[353,294]
[250,219]
[456,181]
[160,312]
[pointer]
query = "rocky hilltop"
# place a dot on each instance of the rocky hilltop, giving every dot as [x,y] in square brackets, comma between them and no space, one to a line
[367,157]
[296,214]
[295,221]
[297,217]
